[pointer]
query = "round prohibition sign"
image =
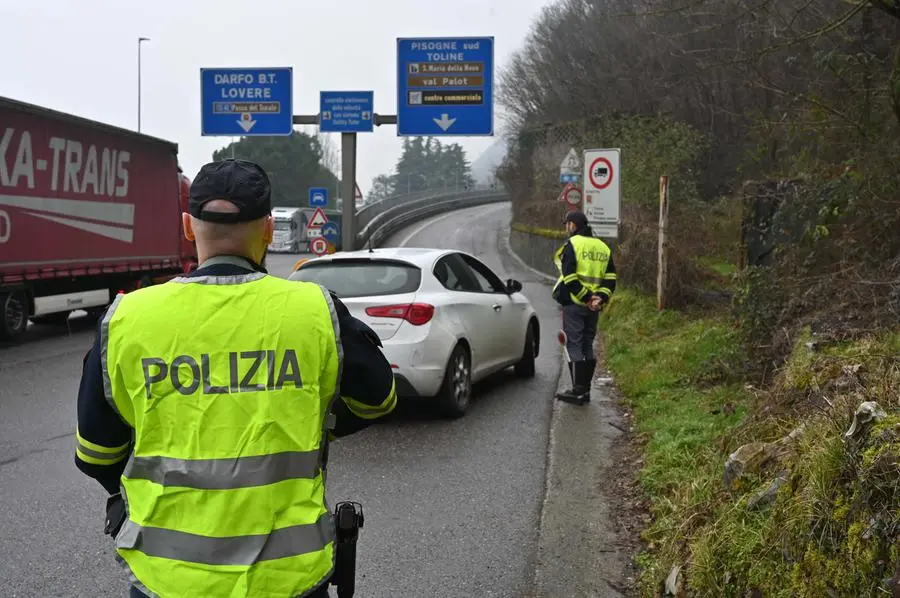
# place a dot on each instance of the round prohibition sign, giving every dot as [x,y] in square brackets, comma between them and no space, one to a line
[601,173]
[573,196]
[319,246]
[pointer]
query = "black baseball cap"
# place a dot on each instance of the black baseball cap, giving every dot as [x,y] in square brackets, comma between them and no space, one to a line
[577,218]
[243,183]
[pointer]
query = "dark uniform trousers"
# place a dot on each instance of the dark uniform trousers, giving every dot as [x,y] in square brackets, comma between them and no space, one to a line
[580,326]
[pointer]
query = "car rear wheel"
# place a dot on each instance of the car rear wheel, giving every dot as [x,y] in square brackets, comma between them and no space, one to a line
[525,367]
[456,390]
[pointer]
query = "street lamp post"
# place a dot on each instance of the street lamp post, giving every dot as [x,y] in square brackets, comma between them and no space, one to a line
[140,39]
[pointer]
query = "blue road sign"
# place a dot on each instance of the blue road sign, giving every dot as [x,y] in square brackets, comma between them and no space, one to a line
[445,86]
[569,178]
[249,102]
[346,111]
[318,197]
[331,232]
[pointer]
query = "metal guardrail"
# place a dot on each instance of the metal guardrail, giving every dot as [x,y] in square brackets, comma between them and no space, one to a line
[369,212]
[395,217]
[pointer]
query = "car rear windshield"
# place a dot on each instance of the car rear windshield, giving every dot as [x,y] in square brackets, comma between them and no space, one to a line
[369,278]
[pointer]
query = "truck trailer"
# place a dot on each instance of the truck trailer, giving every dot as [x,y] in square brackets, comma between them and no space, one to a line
[86,210]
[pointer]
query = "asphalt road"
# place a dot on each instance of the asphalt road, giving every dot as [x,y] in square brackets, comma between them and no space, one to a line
[452,507]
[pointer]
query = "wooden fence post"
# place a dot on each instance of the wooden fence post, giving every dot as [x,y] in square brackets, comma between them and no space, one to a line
[663,250]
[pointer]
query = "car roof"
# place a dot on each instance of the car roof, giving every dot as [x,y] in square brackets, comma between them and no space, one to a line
[422,257]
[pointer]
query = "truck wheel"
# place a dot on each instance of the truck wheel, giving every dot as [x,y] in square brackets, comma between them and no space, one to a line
[13,314]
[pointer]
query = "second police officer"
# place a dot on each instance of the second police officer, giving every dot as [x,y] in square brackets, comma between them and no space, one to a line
[587,280]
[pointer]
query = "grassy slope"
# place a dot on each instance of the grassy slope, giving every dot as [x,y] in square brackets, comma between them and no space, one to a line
[832,528]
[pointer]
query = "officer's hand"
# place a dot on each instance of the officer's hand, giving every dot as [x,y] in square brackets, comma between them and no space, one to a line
[115,514]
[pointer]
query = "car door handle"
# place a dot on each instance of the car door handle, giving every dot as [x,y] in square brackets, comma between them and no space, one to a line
[497,307]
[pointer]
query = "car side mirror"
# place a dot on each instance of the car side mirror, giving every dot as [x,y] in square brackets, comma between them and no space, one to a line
[513,286]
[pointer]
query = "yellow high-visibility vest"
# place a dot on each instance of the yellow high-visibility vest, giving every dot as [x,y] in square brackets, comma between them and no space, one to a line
[228,382]
[591,260]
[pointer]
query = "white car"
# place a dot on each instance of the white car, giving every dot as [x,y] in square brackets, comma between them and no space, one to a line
[446,320]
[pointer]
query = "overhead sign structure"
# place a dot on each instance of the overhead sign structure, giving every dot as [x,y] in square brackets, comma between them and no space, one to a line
[570,168]
[319,246]
[317,220]
[318,197]
[346,111]
[602,190]
[445,86]
[246,101]
[331,232]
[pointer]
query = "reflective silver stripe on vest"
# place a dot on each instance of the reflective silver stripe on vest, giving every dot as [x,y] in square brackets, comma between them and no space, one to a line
[590,279]
[329,423]
[104,353]
[233,550]
[225,474]
[223,280]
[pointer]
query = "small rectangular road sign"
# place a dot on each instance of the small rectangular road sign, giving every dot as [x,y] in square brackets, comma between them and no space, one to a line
[346,111]
[318,197]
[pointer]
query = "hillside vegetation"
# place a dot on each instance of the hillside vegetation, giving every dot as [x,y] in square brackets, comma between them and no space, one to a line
[769,403]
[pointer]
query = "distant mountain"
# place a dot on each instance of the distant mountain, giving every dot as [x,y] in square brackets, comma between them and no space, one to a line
[483,166]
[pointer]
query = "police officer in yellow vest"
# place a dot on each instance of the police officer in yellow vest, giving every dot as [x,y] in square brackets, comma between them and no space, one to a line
[587,280]
[205,406]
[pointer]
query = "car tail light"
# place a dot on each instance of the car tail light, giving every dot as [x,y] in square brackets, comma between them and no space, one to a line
[416,314]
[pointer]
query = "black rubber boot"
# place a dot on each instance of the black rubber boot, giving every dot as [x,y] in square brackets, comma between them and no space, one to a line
[583,373]
[571,391]
[581,389]
[589,378]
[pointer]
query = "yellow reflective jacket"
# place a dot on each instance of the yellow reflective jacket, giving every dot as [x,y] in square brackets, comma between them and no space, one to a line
[228,398]
[592,256]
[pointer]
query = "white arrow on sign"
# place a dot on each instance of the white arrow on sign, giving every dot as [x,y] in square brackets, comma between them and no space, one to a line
[444,122]
[246,122]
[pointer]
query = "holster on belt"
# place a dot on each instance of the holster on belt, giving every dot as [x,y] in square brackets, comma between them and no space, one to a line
[348,520]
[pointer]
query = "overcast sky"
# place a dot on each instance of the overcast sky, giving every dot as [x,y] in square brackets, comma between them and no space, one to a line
[80,56]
